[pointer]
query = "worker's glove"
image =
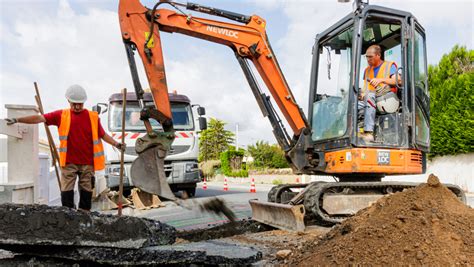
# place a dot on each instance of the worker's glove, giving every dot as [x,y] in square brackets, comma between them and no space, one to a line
[11,121]
[121,146]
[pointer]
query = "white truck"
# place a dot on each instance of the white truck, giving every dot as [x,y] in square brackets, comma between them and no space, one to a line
[181,163]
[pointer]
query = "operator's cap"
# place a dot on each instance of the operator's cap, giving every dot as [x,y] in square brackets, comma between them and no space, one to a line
[76,94]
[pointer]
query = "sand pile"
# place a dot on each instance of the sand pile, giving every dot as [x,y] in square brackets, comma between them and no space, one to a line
[426,225]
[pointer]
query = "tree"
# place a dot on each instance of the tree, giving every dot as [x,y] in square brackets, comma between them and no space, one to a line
[452,103]
[214,140]
[267,156]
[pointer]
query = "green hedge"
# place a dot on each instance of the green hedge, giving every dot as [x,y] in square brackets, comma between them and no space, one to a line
[267,156]
[226,169]
[452,103]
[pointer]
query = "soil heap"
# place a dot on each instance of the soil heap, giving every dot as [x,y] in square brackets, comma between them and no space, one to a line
[426,225]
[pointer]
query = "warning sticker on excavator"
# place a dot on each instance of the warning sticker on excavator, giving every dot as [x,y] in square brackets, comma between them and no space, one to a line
[383,157]
[151,42]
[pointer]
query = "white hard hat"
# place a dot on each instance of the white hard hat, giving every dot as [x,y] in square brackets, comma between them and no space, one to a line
[76,94]
[388,103]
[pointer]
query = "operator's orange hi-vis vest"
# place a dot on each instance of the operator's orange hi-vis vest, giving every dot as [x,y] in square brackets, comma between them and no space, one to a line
[98,148]
[384,72]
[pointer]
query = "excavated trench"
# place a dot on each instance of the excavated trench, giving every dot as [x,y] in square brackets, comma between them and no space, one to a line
[221,231]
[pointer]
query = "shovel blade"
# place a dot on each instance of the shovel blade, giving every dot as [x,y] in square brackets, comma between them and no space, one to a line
[281,216]
[148,173]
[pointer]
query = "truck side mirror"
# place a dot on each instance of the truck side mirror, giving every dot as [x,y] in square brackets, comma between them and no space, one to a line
[201,111]
[98,108]
[202,123]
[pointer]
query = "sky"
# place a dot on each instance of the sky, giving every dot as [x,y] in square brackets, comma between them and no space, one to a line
[58,43]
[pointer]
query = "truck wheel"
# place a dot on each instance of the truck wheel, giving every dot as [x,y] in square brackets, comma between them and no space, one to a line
[191,191]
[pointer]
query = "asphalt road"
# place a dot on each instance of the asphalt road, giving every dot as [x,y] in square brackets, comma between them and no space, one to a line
[192,217]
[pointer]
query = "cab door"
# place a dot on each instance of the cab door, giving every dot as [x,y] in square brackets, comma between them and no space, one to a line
[420,100]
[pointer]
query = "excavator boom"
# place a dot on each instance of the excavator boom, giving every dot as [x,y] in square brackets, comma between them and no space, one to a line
[140,29]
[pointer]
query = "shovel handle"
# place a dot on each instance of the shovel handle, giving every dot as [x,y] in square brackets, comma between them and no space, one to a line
[52,146]
[124,105]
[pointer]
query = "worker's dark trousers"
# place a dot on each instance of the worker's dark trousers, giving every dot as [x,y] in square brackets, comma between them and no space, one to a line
[85,200]
[67,199]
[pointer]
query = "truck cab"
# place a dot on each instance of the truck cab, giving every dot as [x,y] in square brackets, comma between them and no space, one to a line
[181,163]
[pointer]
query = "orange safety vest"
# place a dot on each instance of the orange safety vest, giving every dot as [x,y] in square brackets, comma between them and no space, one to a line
[98,148]
[384,72]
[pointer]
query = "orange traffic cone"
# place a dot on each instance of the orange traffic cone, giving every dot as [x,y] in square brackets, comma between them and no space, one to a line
[226,187]
[252,186]
[204,186]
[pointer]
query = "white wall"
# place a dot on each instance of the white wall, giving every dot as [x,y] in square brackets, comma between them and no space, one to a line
[458,170]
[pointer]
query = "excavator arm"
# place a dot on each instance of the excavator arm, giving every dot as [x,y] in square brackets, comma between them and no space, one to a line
[140,29]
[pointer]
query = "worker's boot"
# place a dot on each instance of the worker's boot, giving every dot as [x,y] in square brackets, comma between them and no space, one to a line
[85,200]
[67,199]
[368,137]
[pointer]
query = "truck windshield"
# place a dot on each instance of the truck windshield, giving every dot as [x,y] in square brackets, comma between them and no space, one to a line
[182,117]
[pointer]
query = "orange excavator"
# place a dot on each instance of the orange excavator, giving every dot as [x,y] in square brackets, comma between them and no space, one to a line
[330,141]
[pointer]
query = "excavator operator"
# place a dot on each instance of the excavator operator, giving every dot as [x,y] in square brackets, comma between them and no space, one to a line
[379,91]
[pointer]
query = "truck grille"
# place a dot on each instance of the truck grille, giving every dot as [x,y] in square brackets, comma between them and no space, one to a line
[178,149]
[168,168]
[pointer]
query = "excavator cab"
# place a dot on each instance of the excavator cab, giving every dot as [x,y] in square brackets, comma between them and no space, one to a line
[337,81]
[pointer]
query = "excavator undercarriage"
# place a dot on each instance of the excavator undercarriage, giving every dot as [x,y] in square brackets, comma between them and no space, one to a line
[324,203]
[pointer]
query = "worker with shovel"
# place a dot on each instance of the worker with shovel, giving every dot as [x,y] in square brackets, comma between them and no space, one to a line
[80,152]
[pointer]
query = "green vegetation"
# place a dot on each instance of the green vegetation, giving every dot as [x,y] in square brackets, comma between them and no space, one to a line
[231,163]
[277,182]
[214,140]
[452,103]
[210,168]
[267,156]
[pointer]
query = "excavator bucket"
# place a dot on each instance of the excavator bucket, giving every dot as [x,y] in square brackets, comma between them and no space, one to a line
[107,200]
[103,202]
[148,170]
[281,216]
[148,173]
[143,200]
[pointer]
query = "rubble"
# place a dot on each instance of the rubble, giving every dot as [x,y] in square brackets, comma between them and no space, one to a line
[283,254]
[44,225]
[56,236]
[211,252]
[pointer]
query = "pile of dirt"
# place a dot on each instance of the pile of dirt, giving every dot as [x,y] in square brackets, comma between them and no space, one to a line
[426,225]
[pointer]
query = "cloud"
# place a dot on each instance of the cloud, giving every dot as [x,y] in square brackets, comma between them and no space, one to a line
[223,91]
[62,49]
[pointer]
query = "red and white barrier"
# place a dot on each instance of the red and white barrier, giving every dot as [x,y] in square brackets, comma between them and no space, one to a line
[252,186]
[226,186]
[204,185]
